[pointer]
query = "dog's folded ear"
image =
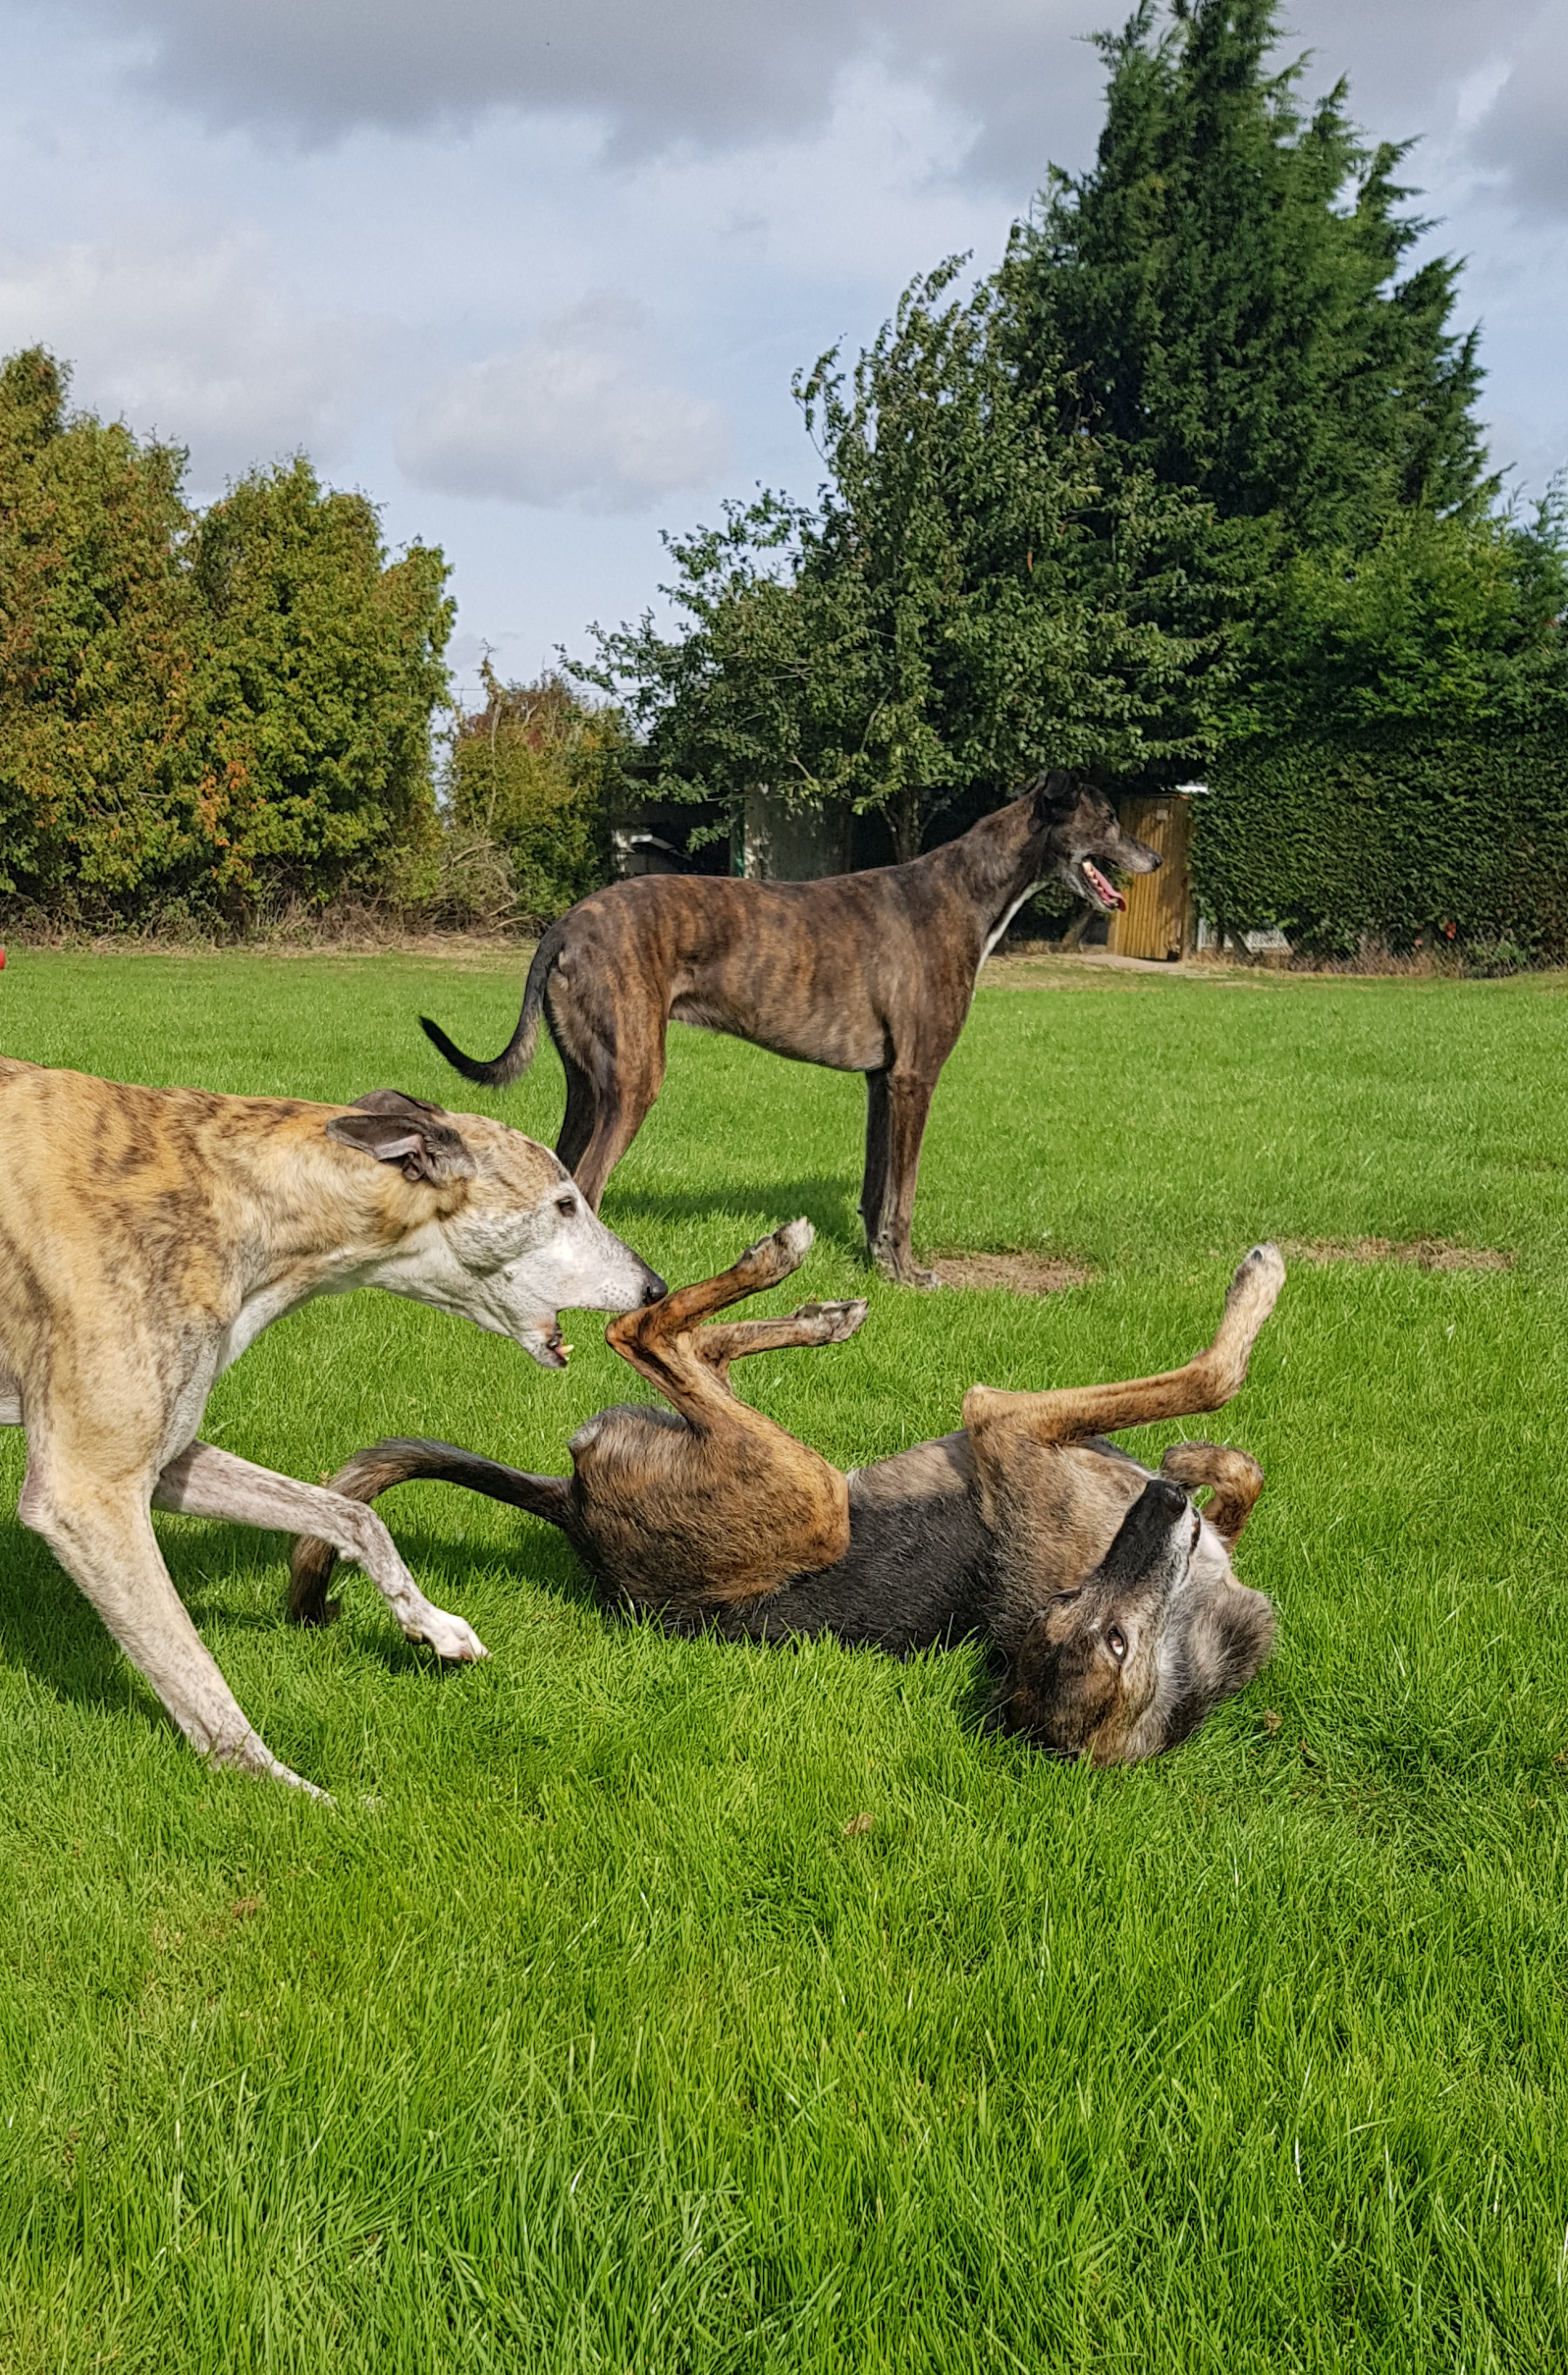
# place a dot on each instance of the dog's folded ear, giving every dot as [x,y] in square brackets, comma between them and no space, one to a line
[405,1130]
[1055,791]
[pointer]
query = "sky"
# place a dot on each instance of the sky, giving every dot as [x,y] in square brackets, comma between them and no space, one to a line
[535,274]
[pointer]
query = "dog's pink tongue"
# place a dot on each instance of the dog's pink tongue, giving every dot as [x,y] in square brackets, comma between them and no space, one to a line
[1108,891]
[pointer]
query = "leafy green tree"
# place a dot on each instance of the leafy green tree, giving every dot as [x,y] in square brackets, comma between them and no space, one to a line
[529,787]
[321,664]
[1219,295]
[1197,461]
[98,642]
[1451,621]
[200,714]
[966,600]
[1219,299]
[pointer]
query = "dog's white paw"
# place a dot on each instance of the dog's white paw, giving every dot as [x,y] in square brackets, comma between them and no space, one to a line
[796,1239]
[833,1323]
[252,1755]
[447,1635]
[1264,1267]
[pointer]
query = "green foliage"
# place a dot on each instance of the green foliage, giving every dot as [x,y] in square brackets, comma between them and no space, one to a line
[1398,834]
[1219,301]
[200,714]
[1217,294]
[1453,621]
[1195,464]
[321,667]
[967,598]
[98,648]
[529,788]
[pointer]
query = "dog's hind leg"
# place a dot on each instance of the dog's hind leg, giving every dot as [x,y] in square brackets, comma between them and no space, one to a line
[374,1472]
[10,1400]
[645,1337]
[206,1483]
[102,1536]
[739,1504]
[814,1323]
[623,1097]
[1207,1383]
[582,1111]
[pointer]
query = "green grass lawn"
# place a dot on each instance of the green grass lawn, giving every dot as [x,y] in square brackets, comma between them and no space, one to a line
[583,2036]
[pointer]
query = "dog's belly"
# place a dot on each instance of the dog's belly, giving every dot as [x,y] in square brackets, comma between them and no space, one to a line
[918,1573]
[812,1038]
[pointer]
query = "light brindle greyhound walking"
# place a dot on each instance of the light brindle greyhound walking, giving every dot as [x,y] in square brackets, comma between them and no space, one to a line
[1112,1602]
[870,973]
[148,1235]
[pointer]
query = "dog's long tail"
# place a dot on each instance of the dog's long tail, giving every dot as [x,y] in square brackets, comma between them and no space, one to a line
[402,1462]
[518,1052]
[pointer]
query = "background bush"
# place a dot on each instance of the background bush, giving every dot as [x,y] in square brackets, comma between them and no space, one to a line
[1399,833]
[201,715]
[529,788]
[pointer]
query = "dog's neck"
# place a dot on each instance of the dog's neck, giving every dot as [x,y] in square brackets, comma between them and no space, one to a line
[996,865]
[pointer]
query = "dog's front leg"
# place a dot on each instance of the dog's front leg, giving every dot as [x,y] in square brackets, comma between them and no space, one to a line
[909,1104]
[102,1536]
[206,1483]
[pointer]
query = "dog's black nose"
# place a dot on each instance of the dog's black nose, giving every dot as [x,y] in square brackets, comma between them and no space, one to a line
[653,1288]
[1163,1501]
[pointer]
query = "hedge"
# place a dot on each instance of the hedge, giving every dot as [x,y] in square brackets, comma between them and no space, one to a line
[1396,835]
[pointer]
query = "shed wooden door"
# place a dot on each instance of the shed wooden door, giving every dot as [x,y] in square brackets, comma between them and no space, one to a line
[1156,921]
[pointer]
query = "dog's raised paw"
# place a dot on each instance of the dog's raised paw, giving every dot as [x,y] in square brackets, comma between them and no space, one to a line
[1264,1266]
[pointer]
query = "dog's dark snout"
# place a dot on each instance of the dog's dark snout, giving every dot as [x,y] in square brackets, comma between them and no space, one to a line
[1144,1535]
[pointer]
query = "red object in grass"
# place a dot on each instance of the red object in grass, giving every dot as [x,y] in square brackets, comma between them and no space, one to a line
[2,959]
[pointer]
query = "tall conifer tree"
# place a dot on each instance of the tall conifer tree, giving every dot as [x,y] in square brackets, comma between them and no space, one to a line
[1220,294]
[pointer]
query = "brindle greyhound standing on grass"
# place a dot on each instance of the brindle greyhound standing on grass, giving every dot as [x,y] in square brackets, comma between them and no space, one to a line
[868,973]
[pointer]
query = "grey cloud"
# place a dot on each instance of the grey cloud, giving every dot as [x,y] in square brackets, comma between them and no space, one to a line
[710,73]
[190,333]
[1524,132]
[574,417]
[729,74]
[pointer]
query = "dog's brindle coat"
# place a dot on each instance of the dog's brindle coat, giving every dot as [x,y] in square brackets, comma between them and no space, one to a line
[867,972]
[1112,1604]
[148,1235]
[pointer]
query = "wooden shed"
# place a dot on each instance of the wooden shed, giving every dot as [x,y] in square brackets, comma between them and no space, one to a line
[1157,921]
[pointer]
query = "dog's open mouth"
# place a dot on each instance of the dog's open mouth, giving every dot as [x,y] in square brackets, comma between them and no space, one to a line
[1103,893]
[553,1351]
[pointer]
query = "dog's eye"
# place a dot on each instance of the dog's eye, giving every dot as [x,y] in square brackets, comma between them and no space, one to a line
[1116,1642]
[567,1204]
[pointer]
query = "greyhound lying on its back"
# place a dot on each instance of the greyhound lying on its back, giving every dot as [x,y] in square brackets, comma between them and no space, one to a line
[1112,1602]
[868,973]
[148,1235]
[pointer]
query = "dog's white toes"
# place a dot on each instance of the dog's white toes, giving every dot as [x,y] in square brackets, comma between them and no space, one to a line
[255,1757]
[448,1637]
[837,1321]
[796,1239]
[1265,1265]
